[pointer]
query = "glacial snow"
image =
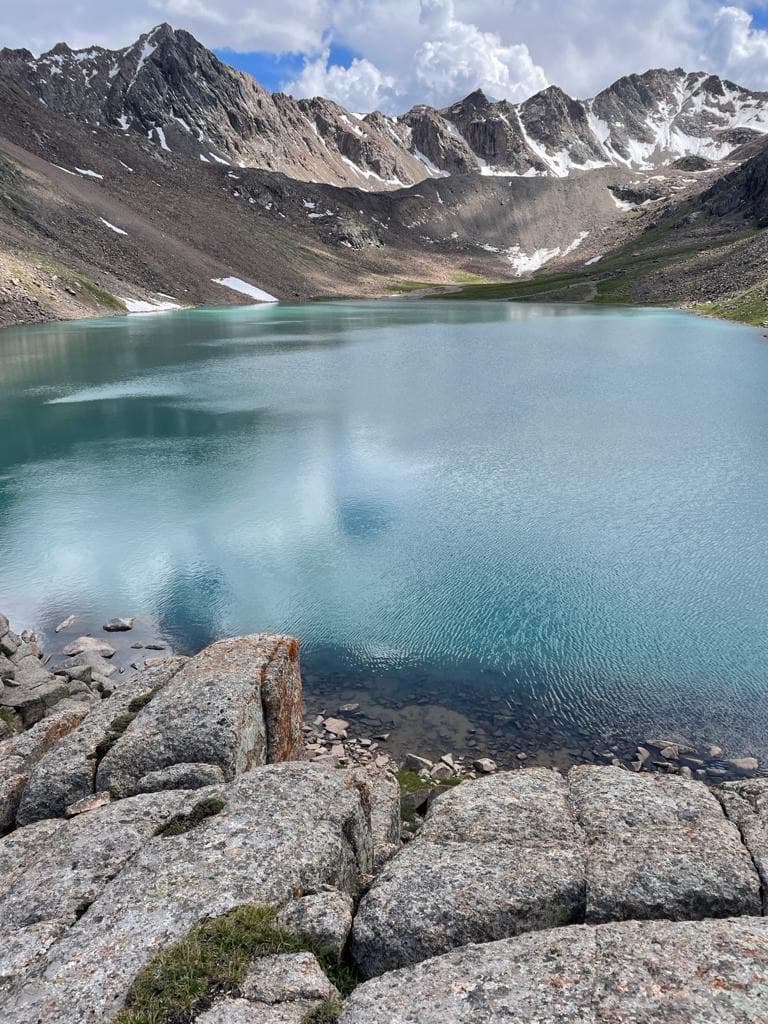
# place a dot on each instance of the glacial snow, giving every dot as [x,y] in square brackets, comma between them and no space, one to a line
[118,231]
[150,306]
[245,289]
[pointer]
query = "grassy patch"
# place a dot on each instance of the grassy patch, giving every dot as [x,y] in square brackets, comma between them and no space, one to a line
[748,307]
[210,962]
[404,287]
[612,280]
[87,288]
[11,719]
[411,782]
[327,1012]
[182,823]
[466,277]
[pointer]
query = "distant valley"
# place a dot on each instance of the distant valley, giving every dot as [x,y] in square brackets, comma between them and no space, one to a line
[145,177]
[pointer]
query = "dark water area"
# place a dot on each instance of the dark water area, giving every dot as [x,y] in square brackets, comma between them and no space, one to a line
[496,527]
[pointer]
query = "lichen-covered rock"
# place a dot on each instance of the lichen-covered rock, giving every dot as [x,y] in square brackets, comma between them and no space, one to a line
[68,772]
[88,803]
[654,972]
[19,755]
[282,829]
[324,919]
[746,804]
[181,776]
[51,872]
[241,1011]
[236,704]
[659,846]
[495,857]
[285,978]
[432,897]
[383,798]
[279,989]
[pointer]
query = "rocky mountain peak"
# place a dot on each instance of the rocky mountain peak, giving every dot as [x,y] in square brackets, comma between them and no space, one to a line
[174,92]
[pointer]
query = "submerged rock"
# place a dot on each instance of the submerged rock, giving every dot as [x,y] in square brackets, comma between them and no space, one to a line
[89,643]
[118,625]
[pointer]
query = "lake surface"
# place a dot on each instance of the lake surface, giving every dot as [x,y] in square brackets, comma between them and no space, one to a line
[551,521]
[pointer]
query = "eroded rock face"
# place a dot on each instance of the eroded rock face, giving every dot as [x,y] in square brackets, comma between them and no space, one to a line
[653,972]
[746,804]
[20,754]
[283,829]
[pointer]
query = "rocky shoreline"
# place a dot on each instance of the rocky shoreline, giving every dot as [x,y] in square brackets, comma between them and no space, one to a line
[178,844]
[89,667]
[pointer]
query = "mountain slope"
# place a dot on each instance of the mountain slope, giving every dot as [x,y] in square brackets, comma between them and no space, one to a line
[708,250]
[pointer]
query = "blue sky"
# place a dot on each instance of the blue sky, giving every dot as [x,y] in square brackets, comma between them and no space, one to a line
[273,70]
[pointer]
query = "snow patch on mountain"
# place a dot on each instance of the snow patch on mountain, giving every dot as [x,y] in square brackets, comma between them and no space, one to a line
[237,285]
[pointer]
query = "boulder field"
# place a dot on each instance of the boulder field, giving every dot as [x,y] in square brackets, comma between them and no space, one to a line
[168,856]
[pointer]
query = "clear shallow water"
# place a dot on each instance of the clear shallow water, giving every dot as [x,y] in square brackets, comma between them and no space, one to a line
[560,508]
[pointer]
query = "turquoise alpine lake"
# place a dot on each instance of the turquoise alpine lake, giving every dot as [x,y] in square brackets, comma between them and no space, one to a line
[544,517]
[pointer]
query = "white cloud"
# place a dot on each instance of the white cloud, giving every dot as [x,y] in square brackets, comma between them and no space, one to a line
[739,49]
[362,86]
[436,60]
[433,50]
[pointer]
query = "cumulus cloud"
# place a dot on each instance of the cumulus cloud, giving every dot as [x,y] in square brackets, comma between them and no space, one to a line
[440,60]
[361,86]
[738,48]
[410,51]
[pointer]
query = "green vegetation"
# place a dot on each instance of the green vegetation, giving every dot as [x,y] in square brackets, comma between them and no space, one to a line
[410,783]
[87,288]
[182,823]
[11,719]
[141,701]
[749,306]
[404,287]
[211,961]
[327,1012]
[465,277]
[618,278]
[117,727]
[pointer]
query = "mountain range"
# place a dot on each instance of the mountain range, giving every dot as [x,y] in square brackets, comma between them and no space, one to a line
[164,136]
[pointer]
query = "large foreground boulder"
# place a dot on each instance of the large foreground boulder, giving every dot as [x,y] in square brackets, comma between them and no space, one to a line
[67,773]
[495,857]
[529,850]
[236,705]
[107,890]
[654,972]
[659,847]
